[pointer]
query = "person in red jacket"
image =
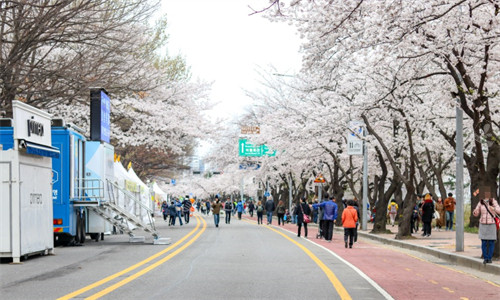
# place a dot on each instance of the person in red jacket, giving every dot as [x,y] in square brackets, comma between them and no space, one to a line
[349,219]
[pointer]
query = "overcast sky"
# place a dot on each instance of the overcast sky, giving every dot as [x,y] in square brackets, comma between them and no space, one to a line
[224,45]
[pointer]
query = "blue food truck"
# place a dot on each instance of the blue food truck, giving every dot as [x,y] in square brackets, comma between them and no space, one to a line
[67,183]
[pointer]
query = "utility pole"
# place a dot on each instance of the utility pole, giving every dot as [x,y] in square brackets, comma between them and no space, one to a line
[365,185]
[459,234]
[290,193]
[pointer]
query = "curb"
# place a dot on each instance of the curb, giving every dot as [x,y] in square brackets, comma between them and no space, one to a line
[457,259]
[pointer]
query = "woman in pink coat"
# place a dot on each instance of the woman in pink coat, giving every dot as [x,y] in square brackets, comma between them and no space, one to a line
[486,210]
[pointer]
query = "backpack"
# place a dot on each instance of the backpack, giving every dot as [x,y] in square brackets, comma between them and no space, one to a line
[281,210]
[260,208]
[393,208]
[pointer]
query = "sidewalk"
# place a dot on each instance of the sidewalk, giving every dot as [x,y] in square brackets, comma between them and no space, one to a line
[440,244]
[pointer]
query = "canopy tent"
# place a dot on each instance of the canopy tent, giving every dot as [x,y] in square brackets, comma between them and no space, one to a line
[143,190]
[159,194]
[132,185]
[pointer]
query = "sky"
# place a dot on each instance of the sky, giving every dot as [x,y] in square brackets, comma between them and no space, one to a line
[222,44]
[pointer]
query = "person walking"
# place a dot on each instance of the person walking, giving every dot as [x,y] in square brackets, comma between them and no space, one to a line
[239,208]
[228,207]
[173,213]
[164,210]
[216,206]
[208,206]
[440,209]
[321,231]
[349,219]
[251,208]
[486,209]
[301,210]
[269,209]
[280,211]
[355,204]
[315,212]
[414,219]
[449,206]
[234,207]
[329,209]
[186,208]
[427,213]
[260,212]
[178,210]
[392,211]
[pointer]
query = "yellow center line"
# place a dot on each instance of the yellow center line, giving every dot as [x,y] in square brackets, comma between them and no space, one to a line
[149,268]
[337,285]
[137,265]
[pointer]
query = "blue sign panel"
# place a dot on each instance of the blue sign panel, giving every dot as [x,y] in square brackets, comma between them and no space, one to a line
[100,109]
[105,123]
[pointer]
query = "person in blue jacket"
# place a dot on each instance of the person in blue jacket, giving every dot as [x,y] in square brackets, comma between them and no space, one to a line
[329,216]
[239,208]
[178,209]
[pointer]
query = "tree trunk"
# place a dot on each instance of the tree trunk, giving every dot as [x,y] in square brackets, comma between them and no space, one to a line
[404,229]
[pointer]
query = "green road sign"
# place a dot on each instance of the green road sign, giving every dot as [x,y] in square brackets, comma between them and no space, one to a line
[247,149]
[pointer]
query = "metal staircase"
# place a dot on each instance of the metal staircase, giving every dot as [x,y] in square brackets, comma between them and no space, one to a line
[118,216]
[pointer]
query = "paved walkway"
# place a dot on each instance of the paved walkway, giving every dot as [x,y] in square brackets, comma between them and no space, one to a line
[440,244]
[440,239]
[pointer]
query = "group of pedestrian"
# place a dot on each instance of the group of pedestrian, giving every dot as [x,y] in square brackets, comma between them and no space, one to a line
[177,209]
[326,213]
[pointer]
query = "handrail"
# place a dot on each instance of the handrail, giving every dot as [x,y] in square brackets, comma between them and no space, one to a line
[88,189]
[129,195]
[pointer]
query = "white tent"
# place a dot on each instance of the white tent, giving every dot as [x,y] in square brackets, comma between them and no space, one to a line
[160,195]
[144,192]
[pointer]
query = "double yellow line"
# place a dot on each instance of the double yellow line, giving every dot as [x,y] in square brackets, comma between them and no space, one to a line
[137,265]
[337,285]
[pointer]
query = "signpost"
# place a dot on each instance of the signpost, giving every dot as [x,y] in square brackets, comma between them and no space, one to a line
[354,143]
[249,166]
[319,180]
[356,146]
[250,130]
[249,150]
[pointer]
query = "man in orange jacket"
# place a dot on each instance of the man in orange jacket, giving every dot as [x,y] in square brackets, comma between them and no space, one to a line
[349,219]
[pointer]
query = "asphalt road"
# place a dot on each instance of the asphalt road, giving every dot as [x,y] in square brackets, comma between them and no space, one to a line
[241,260]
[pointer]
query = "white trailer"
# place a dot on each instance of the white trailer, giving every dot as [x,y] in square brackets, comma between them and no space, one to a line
[26,186]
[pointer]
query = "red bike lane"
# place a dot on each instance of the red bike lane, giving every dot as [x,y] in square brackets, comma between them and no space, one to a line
[404,276]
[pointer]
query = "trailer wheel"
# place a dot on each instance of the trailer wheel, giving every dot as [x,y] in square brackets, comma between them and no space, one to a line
[94,236]
[78,235]
[82,228]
